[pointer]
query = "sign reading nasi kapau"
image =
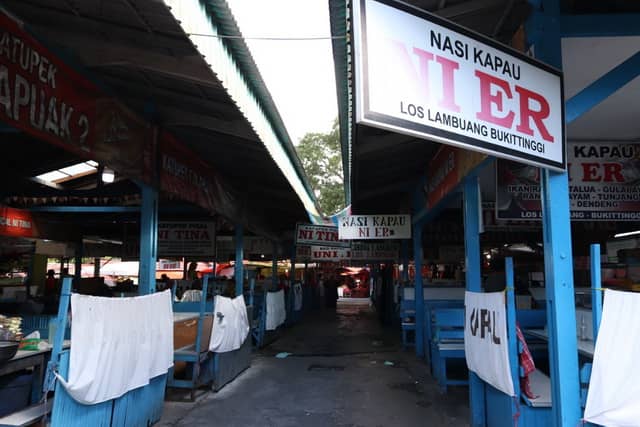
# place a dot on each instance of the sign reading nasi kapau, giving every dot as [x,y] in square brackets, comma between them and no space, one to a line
[362,227]
[319,235]
[421,75]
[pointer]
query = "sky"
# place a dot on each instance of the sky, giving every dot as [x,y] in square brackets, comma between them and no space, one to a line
[298,73]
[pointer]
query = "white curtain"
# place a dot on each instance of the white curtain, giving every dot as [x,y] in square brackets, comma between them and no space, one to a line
[230,325]
[118,344]
[276,311]
[485,339]
[614,388]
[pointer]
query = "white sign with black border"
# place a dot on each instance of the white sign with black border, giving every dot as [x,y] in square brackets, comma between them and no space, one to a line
[421,75]
[319,235]
[368,227]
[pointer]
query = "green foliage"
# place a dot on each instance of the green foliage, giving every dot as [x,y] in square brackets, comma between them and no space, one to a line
[322,161]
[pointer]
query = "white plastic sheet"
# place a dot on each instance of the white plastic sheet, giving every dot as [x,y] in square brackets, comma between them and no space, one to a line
[230,325]
[614,388]
[276,311]
[118,344]
[485,339]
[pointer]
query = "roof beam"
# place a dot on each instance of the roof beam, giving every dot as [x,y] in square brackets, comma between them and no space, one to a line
[381,142]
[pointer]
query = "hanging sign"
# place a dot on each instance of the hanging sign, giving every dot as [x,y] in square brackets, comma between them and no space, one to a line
[369,251]
[325,253]
[364,227]
[421,75]
[44,97]
[186,239]
[319,235]
[485,339]
[16,223]
[603,184]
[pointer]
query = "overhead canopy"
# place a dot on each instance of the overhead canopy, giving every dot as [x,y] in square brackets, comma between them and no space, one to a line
[138,51]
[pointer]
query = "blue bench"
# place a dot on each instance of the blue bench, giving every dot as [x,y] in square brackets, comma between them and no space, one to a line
[196,355]
[447,343]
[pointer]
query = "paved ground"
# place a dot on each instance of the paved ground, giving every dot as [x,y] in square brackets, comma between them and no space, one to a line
[344,371]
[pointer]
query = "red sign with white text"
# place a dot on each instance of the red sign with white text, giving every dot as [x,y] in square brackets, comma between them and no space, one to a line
[46,98]
[423,76]
[16,223]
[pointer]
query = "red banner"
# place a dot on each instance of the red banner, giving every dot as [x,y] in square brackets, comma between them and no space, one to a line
[184,175]
[16,223]
[447,169]
[44,97]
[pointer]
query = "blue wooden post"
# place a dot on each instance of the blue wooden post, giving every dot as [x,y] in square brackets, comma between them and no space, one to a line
[596,289]
[419,298]
[239,267]
[274,266]
[292,275]
[471,192]
[558,257]
[148,240]
[514,359]
[405,260]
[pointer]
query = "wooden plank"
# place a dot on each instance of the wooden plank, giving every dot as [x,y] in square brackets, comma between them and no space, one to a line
[26,416]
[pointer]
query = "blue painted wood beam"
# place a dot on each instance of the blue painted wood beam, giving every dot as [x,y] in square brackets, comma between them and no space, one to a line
[148,240]
[471,200]
[419,296]
[596,289]
[558,257]
[239,267]
[600,25]
[405,260]
[604,87]
[274,265]
[86,209]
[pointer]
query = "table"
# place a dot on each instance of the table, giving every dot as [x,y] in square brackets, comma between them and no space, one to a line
[179,317]
[585,347]
[36,359]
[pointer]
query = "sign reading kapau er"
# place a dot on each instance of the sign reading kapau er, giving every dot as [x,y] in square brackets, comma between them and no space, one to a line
[365,227]
[421,75]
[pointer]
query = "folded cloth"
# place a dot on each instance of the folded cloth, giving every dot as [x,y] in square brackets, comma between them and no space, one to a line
[192,295]
[527,364]
[276,312]
[117,345]
[230,324]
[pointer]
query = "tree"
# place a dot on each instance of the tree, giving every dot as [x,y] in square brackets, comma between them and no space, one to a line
[322,161]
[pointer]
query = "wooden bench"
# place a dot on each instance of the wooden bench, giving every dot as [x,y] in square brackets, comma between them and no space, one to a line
[447,343]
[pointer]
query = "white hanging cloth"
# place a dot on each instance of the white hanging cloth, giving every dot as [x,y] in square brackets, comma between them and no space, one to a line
[297,296]
[117,345]
[276,311]
[230,325]
[485,339]
[192,295]
[614,388]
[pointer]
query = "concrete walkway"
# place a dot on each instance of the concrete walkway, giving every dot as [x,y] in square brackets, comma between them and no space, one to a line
[344,370]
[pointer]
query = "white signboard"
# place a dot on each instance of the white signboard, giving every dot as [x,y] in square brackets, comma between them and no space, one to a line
[364,227]
[324,253]
[421,75]
[186,239]
[319,235]
[485,339]
[369,251]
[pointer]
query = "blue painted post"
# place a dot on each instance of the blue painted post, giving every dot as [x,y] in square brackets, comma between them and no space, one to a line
[419,297]
[274,266]
[239,267]
[596,289]
[471,200]
[558,257]
[148,240]
[514,359]
[405,260]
